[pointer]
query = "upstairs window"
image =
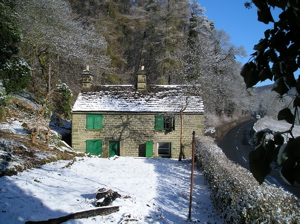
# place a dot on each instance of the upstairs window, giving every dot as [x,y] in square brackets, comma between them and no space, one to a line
[94,121]
[163,122]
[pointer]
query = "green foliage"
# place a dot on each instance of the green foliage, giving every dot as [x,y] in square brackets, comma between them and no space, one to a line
[14,71]
[277,58]
[2,113]
[15,74]
[236,193]
[4,102]
[9,30]
[65,99]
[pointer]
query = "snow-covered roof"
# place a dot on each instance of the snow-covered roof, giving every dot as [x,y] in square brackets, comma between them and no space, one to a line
[125,98]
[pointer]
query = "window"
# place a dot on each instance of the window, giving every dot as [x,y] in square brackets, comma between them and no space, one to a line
[163,122]
[94,121]
[164,149]
[94,147]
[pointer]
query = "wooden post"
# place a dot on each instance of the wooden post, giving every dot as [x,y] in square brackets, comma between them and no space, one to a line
[192,176]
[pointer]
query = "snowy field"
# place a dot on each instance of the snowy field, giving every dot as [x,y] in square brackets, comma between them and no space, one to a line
[152,191]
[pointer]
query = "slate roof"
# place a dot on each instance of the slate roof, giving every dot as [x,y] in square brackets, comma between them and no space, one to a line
[125,98]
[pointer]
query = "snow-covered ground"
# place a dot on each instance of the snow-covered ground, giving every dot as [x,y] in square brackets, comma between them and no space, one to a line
[152,191]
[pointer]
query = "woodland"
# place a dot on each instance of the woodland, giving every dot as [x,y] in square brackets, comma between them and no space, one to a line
[173,39]
[45,45]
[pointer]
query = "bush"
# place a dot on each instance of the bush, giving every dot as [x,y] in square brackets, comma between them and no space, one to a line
[4,101]
[238,195]
[63,100]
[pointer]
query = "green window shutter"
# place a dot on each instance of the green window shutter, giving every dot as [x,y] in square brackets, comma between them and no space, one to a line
[94,121]
[94,147]
[89,121]
[172,149]
[98,121]
[159,122]
[149,149]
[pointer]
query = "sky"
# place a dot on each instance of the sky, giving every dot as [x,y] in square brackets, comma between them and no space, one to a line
[240,24]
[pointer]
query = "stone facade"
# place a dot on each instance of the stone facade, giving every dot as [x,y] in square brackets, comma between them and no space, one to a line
[132,130]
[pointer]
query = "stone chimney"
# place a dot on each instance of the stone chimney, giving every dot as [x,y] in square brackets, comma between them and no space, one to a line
[86,79]
[141,80]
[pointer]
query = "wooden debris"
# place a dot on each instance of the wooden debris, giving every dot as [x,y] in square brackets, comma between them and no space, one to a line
[78,215]
[102,192]
[108,195]
[34,134]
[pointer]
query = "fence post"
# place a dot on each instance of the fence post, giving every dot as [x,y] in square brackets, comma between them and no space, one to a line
[192,176]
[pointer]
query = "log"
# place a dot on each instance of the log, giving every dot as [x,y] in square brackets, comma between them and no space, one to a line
[78,215]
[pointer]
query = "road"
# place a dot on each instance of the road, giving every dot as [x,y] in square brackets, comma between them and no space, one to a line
[235,145]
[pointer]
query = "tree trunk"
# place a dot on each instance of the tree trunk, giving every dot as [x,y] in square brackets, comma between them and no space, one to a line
[181,154]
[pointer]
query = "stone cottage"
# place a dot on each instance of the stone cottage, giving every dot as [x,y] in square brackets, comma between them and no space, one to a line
[136,120]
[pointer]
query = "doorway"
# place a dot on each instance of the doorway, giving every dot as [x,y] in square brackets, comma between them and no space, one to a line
[114,148]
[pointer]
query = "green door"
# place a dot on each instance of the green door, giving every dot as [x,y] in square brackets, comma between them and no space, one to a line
[114,149]
[149,149]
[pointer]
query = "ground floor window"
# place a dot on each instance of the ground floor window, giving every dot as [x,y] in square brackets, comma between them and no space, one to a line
[94,147]
[164,149]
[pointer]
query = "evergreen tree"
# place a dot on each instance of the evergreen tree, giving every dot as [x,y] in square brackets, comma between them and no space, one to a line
[14,71]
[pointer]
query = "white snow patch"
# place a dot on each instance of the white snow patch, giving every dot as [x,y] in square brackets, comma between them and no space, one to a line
[158,190]
[13,127]
[275,125]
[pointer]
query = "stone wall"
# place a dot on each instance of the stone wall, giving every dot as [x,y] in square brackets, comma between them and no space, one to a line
[133,130]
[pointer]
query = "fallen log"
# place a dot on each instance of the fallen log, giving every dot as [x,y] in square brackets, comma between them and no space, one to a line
[78,215]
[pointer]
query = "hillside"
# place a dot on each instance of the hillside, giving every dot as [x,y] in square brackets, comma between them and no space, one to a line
[174,41]
[22,118]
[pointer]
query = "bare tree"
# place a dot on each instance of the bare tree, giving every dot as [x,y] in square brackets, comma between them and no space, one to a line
[53,36]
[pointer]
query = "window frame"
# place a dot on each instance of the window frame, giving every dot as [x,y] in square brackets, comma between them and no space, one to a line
[169,148]
[164,122]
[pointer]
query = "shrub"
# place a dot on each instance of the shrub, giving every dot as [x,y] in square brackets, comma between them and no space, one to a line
[4,101]
[238,195]
[63,99]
